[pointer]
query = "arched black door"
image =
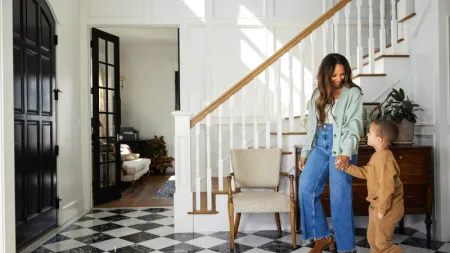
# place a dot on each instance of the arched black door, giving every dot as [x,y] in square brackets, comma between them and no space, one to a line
[34,119]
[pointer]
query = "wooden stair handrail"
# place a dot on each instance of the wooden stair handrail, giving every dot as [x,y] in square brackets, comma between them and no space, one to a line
[263,66]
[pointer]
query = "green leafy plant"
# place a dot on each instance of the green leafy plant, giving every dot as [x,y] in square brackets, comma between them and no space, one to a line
[155,149]
[397,107]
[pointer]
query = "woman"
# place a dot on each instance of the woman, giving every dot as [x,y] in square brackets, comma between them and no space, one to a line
[334,126]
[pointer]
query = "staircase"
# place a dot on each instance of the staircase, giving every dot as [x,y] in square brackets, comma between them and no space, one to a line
[202,146]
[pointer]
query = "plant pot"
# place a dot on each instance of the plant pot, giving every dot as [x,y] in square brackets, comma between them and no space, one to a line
[405,131]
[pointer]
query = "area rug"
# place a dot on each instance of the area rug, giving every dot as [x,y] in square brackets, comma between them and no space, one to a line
[166,191]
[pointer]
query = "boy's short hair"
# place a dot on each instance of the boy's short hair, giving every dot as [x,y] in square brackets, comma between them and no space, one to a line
[387,129]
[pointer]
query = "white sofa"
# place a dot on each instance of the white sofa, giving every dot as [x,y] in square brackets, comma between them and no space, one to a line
[133,167]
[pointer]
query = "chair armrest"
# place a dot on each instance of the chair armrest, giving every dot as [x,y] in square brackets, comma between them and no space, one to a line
[285,174]
[291,179]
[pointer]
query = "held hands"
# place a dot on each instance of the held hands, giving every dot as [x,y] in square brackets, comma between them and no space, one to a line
[342,162]
[301,163]
[380,216]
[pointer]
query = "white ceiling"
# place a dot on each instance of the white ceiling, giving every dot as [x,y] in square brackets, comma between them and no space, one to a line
[144,35]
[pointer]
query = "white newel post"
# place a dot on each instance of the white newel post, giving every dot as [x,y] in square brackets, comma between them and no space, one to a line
[302,81]
[394,26]
[371,40]
[359,49]
[382,27]
[183,194]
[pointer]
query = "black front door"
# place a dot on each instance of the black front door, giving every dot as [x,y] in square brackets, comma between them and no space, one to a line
[106,117]
[34,119]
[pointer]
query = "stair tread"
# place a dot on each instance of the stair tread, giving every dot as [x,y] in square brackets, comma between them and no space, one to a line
[368,75]
[385,56]
[296,117]
[407,17]
[387,46]
[289,133]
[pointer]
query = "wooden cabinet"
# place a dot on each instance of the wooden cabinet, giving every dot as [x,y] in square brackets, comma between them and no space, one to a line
[416,173]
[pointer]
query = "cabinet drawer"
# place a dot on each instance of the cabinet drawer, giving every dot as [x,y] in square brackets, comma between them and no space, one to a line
[411,158]
[360,203]
[415,196]
[414,173]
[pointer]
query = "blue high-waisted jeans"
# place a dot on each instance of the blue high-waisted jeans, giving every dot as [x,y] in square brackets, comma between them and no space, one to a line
[319,166]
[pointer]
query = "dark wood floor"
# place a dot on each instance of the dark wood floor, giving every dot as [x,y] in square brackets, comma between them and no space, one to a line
[143,193]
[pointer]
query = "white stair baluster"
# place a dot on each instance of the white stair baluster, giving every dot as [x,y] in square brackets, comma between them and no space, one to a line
[279,123]
[394,26]
[220,160]
[267,110]
[371,40]
[325,29]
[302,81]
[359,48]
[208,163]
[382,27]
[244,141]
[197,167]
[313,60]
[347,33]
[291,93]
[255,115]
[336,34]
[231,104]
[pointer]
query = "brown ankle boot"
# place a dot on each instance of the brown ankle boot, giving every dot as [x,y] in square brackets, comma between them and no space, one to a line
[320,244]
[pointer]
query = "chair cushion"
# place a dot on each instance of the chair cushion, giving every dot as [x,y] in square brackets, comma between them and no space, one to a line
[134,166]
[261,202]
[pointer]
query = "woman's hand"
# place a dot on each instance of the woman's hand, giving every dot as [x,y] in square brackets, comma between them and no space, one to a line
[301,163]
[342,162]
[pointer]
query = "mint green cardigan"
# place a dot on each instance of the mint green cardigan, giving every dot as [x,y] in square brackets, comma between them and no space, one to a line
[347,123]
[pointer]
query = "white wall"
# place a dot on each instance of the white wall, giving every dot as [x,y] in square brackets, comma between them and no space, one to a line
[70,183]
[148,95]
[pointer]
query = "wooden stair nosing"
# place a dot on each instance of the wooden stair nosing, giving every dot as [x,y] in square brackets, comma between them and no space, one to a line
[387,46]
[407,17]
[368,75]
[289,133]
[296,117]
[385,56]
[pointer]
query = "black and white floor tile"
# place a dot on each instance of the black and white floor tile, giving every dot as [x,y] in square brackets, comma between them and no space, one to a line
[142,230]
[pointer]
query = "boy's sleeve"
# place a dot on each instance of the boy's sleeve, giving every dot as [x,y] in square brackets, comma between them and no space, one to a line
[359,172]
[386,180]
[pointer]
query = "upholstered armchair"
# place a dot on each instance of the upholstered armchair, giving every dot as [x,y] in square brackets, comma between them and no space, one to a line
[258,168]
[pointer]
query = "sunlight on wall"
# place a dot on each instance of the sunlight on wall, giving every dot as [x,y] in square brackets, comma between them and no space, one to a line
[196,6]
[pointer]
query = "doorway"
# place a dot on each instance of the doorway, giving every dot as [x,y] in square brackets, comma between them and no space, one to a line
[149,92]
[34,120]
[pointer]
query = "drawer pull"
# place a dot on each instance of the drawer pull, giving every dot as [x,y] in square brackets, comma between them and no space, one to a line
[400,158]
[409,196]
[412,174]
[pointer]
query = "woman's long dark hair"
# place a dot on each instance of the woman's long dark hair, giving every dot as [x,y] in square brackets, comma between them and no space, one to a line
[324,82]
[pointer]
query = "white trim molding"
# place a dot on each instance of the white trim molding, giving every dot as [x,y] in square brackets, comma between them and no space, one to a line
[7,188]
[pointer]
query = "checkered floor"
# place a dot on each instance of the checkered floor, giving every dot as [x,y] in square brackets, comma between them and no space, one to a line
[151,230]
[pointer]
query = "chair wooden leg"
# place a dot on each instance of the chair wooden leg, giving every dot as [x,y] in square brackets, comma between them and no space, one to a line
[277,219]
[294,236]
[236,224]
[231,219]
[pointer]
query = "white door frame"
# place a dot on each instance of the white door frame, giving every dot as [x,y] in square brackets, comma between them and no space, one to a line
[86,113]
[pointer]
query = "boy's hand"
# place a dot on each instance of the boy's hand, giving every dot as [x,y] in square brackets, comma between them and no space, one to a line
[342,162]
[380,216]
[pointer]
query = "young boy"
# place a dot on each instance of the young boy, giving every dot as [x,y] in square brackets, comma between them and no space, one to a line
[384,187]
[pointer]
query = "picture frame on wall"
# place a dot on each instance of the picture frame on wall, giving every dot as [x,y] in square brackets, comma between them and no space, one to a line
[370,112]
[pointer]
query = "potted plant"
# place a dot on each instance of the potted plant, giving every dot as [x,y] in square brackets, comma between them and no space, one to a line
[401,109]
[155,149]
